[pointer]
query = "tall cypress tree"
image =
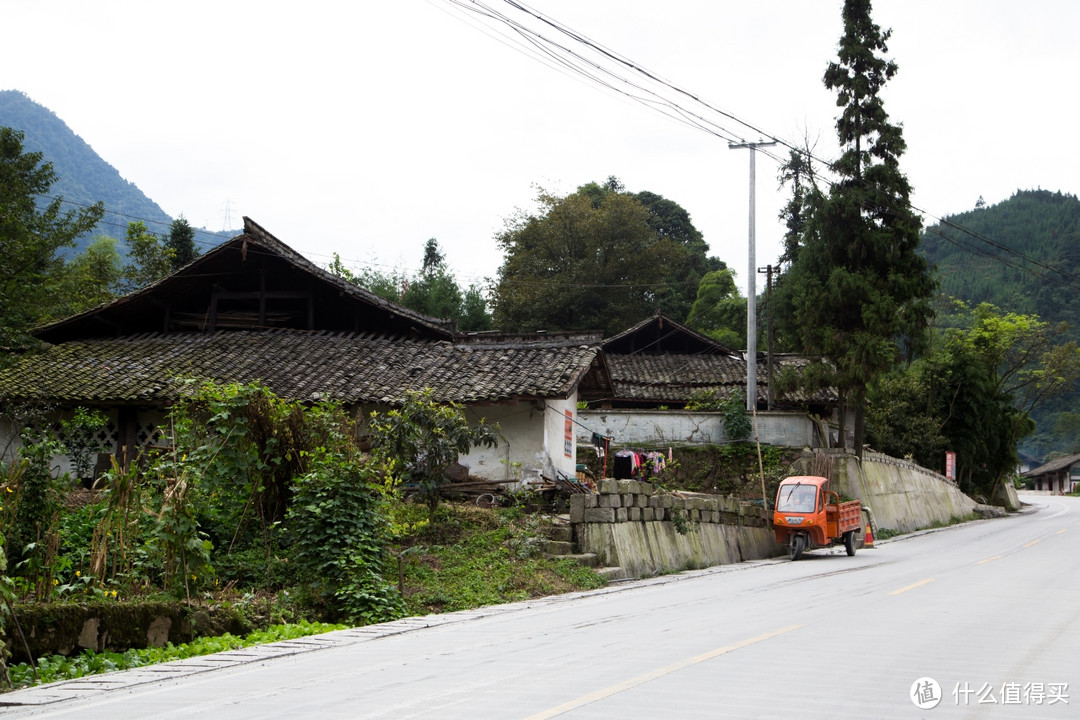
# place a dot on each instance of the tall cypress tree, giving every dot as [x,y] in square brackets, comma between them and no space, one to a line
[860,292]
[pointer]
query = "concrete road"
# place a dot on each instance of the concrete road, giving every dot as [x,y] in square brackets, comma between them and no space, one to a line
[985,611]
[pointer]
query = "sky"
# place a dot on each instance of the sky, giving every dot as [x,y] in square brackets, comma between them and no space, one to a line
[364,128]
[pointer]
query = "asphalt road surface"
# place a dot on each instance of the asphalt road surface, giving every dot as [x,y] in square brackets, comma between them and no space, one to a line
[976,620]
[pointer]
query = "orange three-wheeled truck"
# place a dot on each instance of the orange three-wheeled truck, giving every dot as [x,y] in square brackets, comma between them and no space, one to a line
[808,516]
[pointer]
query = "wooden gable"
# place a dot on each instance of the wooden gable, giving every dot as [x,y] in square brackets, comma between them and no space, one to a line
[251,282]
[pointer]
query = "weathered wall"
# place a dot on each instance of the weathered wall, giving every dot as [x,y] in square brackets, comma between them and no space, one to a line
[630,526]
[661,428]
[903,496]
[532,440]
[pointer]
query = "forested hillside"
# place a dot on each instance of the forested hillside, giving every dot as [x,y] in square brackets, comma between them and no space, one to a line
[83,176]
[1022,255]
[1030,264]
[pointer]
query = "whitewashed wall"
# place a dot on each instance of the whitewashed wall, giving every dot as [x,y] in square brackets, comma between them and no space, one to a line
[658,428]
[532,440]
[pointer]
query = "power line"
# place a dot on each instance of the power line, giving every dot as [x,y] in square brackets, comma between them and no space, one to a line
[694,119]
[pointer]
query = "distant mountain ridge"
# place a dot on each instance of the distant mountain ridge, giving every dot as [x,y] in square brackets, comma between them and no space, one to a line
[83,176]
[1022,255]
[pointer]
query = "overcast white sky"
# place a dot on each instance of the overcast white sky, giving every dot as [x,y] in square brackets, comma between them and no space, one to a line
[366,128]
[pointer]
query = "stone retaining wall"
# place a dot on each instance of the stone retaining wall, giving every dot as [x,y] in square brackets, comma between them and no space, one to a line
[629,525]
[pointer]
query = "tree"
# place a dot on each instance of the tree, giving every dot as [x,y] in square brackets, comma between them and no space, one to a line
[590,260]
[386,285]
[30,236]
[719,311]
[434,291]
[88,279]
[474,314]
[419,440]
[151,259]
[859,291]
[181,241]
[974,393]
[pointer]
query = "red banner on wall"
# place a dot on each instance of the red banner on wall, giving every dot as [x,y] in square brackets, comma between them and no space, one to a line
[950,465]
[568,435]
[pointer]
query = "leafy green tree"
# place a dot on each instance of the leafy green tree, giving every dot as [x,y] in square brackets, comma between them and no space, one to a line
[474,314]
[181,241]
[433,291]
[974,394]
[417,442]
[30,236]
[719,311]
[858,289]
[88,279]
[388,286]
[590,260]
[151,259]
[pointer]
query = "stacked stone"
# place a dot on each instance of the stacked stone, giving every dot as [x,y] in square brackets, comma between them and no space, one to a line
[620,501]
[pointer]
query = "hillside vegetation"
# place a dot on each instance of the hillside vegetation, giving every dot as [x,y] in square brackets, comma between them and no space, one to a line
[83,176]
[1022,255]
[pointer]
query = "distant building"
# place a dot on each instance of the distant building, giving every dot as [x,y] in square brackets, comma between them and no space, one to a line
[1056,476]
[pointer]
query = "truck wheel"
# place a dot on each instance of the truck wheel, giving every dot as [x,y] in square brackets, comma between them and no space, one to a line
[798,544]
[849,542]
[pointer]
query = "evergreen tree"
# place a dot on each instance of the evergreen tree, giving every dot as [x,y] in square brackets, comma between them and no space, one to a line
[859,291]
[181,241]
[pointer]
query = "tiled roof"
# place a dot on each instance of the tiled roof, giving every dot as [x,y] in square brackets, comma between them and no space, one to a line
[1054,466]
[296,364]
[673,378]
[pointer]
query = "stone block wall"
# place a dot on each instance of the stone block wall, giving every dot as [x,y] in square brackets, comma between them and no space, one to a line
[630,525]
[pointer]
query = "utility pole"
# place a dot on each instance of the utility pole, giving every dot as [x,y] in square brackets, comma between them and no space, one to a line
[768,270]
[751,292]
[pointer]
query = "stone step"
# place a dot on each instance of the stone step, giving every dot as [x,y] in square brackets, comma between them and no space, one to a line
[564,533]
[586,559]
[558,548]
[609,573]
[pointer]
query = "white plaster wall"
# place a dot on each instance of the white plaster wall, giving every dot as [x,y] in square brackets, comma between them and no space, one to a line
[531,440]
[560,441]
[657,428]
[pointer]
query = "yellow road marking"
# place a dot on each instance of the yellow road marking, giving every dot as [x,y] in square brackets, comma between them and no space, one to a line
[1033,542]
[648,677]
[1060,531]
[912,586]
[989,559]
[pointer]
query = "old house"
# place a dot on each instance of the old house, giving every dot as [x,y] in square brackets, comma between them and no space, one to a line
[660,365]
[254,309]
[1057,476]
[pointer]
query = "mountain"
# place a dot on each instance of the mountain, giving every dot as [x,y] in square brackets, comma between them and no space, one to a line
[1022,255]
[83,176]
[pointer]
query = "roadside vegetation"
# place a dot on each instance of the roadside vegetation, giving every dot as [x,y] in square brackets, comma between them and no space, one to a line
[263,511]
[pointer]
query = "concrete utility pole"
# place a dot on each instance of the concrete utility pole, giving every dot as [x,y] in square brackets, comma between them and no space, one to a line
[768,270]
[751,292]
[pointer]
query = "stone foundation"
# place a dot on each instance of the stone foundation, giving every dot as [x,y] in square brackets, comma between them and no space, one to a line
[629,525]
